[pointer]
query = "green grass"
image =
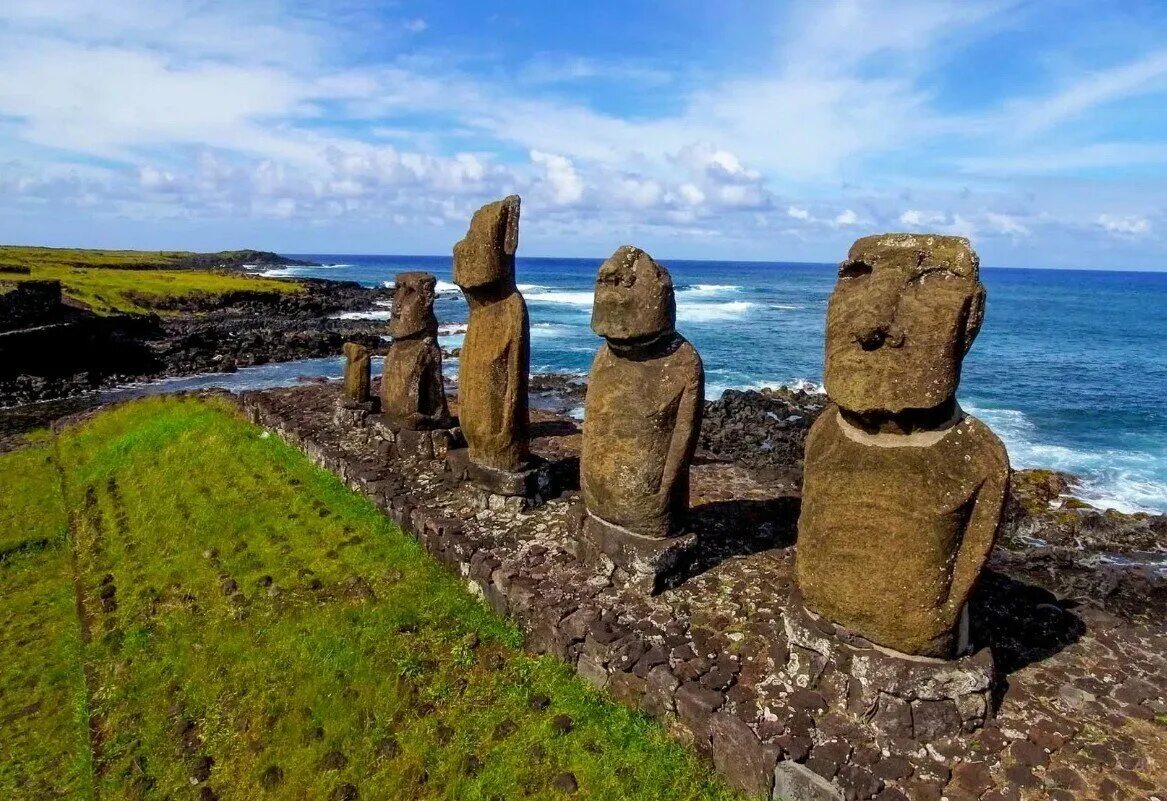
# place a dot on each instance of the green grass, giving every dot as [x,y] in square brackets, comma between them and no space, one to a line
[249,613]
[129,280]
[44,746]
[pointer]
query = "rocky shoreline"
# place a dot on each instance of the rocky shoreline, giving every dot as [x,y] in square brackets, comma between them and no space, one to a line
[201,334]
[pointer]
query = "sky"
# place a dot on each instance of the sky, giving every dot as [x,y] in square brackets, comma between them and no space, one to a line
[749,130]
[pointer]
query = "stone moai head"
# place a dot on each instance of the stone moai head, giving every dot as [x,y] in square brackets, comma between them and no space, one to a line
[903,314]
[634,299]
[486,256]
[413,306]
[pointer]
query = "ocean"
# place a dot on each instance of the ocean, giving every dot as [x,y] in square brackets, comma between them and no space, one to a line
[1070,368]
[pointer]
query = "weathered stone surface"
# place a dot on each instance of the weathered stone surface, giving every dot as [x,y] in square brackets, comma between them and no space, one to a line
[496,352]
[903,491]
[795,782]
[643,414]
[741,756]
[644,400]
[412,393]
[904,312]
[646,563]
[356,374]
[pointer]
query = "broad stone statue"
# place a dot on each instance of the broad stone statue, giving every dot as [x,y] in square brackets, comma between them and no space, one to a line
[412,393]
[642,416]
[496,351]
[902,491]
[356,375]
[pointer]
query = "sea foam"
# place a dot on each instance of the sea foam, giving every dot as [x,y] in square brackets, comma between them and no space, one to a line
[1112,478]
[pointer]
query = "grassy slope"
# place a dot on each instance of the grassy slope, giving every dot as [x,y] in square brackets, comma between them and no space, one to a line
[100,279]
[253,619]
[44,748]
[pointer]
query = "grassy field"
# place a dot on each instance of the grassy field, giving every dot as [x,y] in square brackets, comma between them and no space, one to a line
[129,280]
[44,742]
[256,630]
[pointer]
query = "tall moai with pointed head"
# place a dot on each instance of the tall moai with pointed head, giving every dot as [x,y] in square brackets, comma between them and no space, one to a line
[642,416]
[412,393]
[903,491]
[496,351]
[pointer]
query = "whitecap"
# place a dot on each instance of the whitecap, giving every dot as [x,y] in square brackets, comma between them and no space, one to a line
[531,288]
[449,329]
[1111,478]
[447,288]
[296,271]
[711,289]
[549,330]
[363,315]
[786,306]
[709,312]
[562,297]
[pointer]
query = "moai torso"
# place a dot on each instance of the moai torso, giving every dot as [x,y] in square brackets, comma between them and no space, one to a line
[644,401]
[492,383]
[902,492]
[640,424]
[357,377]
[496,351]
[412,392]
[892,535]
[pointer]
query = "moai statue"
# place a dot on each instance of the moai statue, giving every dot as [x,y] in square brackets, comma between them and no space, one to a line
[903,491]
[413,396]
[496,352]
[642,416]
[356,376]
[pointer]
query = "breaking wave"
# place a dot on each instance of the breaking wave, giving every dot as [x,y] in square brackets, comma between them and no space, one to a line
[1112,478]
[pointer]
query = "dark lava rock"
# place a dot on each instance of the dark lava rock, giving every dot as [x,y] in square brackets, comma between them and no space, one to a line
[763,429]
[344,792]
[561,724]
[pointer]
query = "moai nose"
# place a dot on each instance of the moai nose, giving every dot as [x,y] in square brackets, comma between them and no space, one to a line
[876,324]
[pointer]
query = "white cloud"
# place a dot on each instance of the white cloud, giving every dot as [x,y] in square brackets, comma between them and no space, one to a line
[797,213]
[416,25]
[1006,224]
[565,185]
[1125,225]
[1145,74]
[845,218]
[915,218]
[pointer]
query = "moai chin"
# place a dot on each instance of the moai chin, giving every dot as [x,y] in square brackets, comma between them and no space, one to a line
[496,351]
[413,396]
[356,376]
[903,491]
[642,416]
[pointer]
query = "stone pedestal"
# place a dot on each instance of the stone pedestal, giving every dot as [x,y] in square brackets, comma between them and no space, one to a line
[350,414]
[647,564]
[899,695]
[413,445]
[501,489]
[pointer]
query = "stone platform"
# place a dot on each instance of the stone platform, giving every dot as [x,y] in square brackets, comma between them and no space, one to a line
[1080,705]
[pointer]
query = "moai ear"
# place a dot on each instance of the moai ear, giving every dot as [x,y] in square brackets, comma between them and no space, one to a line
[976,316]
[510,206]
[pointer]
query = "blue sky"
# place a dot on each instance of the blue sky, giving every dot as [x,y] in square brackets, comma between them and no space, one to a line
[738,130]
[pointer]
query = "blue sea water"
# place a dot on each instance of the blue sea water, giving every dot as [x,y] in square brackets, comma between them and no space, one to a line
[1070,368]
